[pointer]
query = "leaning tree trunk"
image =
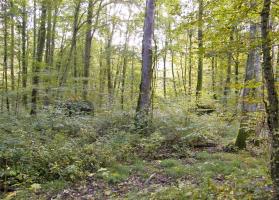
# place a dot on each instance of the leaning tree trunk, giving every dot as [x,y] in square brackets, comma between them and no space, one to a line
[38,59]
[144,100]
[272,107]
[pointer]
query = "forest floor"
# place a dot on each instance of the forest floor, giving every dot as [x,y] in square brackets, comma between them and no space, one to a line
[102,158]
[210,174]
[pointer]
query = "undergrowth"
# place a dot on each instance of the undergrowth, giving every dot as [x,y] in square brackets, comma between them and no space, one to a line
[44,155]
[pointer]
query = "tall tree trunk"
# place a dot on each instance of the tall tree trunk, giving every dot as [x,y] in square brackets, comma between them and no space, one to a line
[52,47]
[5,59]
[236,72]
[154,76]
[124,69]
[87,50]
[272,107]
[60,57]
[229,69]
[75,71]
[185,69]
[173,74]
[101,79]
[88,43]
[277,65]
[48,55]
[116,81]
[213,75]
[183,72]
[19,59]
[12,47]
[165,69]
[144,100]
[253,63]
[23,52]
[39,59]
[73,44]
[200,54]
[108,64]
[34,30]
[48,36]
[190,62]
[133,75]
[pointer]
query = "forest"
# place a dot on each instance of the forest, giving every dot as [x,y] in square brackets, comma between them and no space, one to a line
[139,99]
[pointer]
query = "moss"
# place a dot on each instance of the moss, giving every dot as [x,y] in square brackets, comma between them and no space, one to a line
[241,138]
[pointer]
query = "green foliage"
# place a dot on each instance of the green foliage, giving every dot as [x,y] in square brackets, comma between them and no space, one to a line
[150,145]
[115,173]
[173,168]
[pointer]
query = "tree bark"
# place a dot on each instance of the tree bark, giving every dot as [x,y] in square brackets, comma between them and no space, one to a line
[38,59]
[133,75]
[12,47]
[48,55]
[190,62]
[183,73]
[173,74]
[251,74]
[34,30]
[87,50]
[5,59]
[213,76]
[23,52]
[53,36]
[229,69]
[73,44]
[88,43]
[165,69]
[272,96]
[200,52]
[101,79]
[124,69]
[108,65]
[144,100]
